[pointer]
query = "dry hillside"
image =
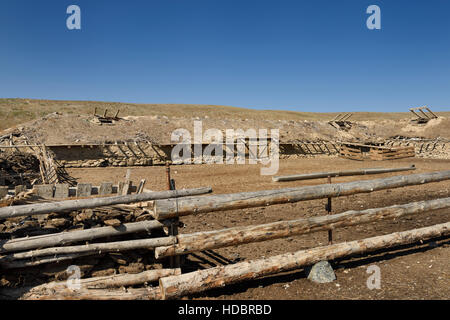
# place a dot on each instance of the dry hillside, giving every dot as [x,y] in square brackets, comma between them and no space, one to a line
[64,122]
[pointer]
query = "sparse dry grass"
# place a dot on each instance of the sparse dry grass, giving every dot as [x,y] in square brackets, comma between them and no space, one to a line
[16,111]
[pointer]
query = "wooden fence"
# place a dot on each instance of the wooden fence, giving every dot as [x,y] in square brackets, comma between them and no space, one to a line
[34,251]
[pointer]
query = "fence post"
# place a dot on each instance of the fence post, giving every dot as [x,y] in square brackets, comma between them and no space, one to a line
[328,208]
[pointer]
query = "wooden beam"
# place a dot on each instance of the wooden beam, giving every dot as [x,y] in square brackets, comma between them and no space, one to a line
[98,294]
[318,175]
[105,282]
[164,209]
[70,205]
[90,249]
[201,241]
[202,280]
[62,238]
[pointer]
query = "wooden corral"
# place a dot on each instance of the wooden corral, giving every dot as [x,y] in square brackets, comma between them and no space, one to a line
[356,151]
[52,248]
[386,153]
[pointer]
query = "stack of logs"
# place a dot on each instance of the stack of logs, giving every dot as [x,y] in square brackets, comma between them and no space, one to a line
[173,204]
[110,239]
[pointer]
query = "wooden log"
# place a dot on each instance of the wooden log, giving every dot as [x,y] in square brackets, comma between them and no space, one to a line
[98,294]
[141,186]
[127,184]
[89,249]
[201,241]
[62,238]
[39,261]
[318,175]
[70,205]
[106,282]
[198,281]
[164,209]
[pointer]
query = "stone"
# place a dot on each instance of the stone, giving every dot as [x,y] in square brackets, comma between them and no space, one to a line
[44,190]
[106,188]
[321,272]
[61,191]
[112,222]
[84,189]
[85,215]
[58,223]
[135,267]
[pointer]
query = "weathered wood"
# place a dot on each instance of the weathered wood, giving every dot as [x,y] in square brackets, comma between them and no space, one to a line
[98,294]
[58,239]
[164,209]
[141,186]
[39,261]
[106,282]
[89,249]
[125,280]
[198,281]
[201,241]
[318,175]
[127,184]
[70,205]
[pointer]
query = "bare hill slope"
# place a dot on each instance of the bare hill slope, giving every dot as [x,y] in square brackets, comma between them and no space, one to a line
[65,122]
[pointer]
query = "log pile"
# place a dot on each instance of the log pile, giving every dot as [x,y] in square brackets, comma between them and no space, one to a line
[18,168]
[111,242]
[116,246]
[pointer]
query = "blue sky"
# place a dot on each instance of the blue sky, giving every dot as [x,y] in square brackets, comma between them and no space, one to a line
[293,55]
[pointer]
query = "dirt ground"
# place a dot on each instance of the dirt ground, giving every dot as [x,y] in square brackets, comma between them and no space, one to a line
[411,272]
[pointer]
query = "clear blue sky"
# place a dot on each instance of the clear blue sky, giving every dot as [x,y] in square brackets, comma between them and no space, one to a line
[298,55]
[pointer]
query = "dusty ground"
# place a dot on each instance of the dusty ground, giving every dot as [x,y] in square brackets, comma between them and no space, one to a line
[412,272]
